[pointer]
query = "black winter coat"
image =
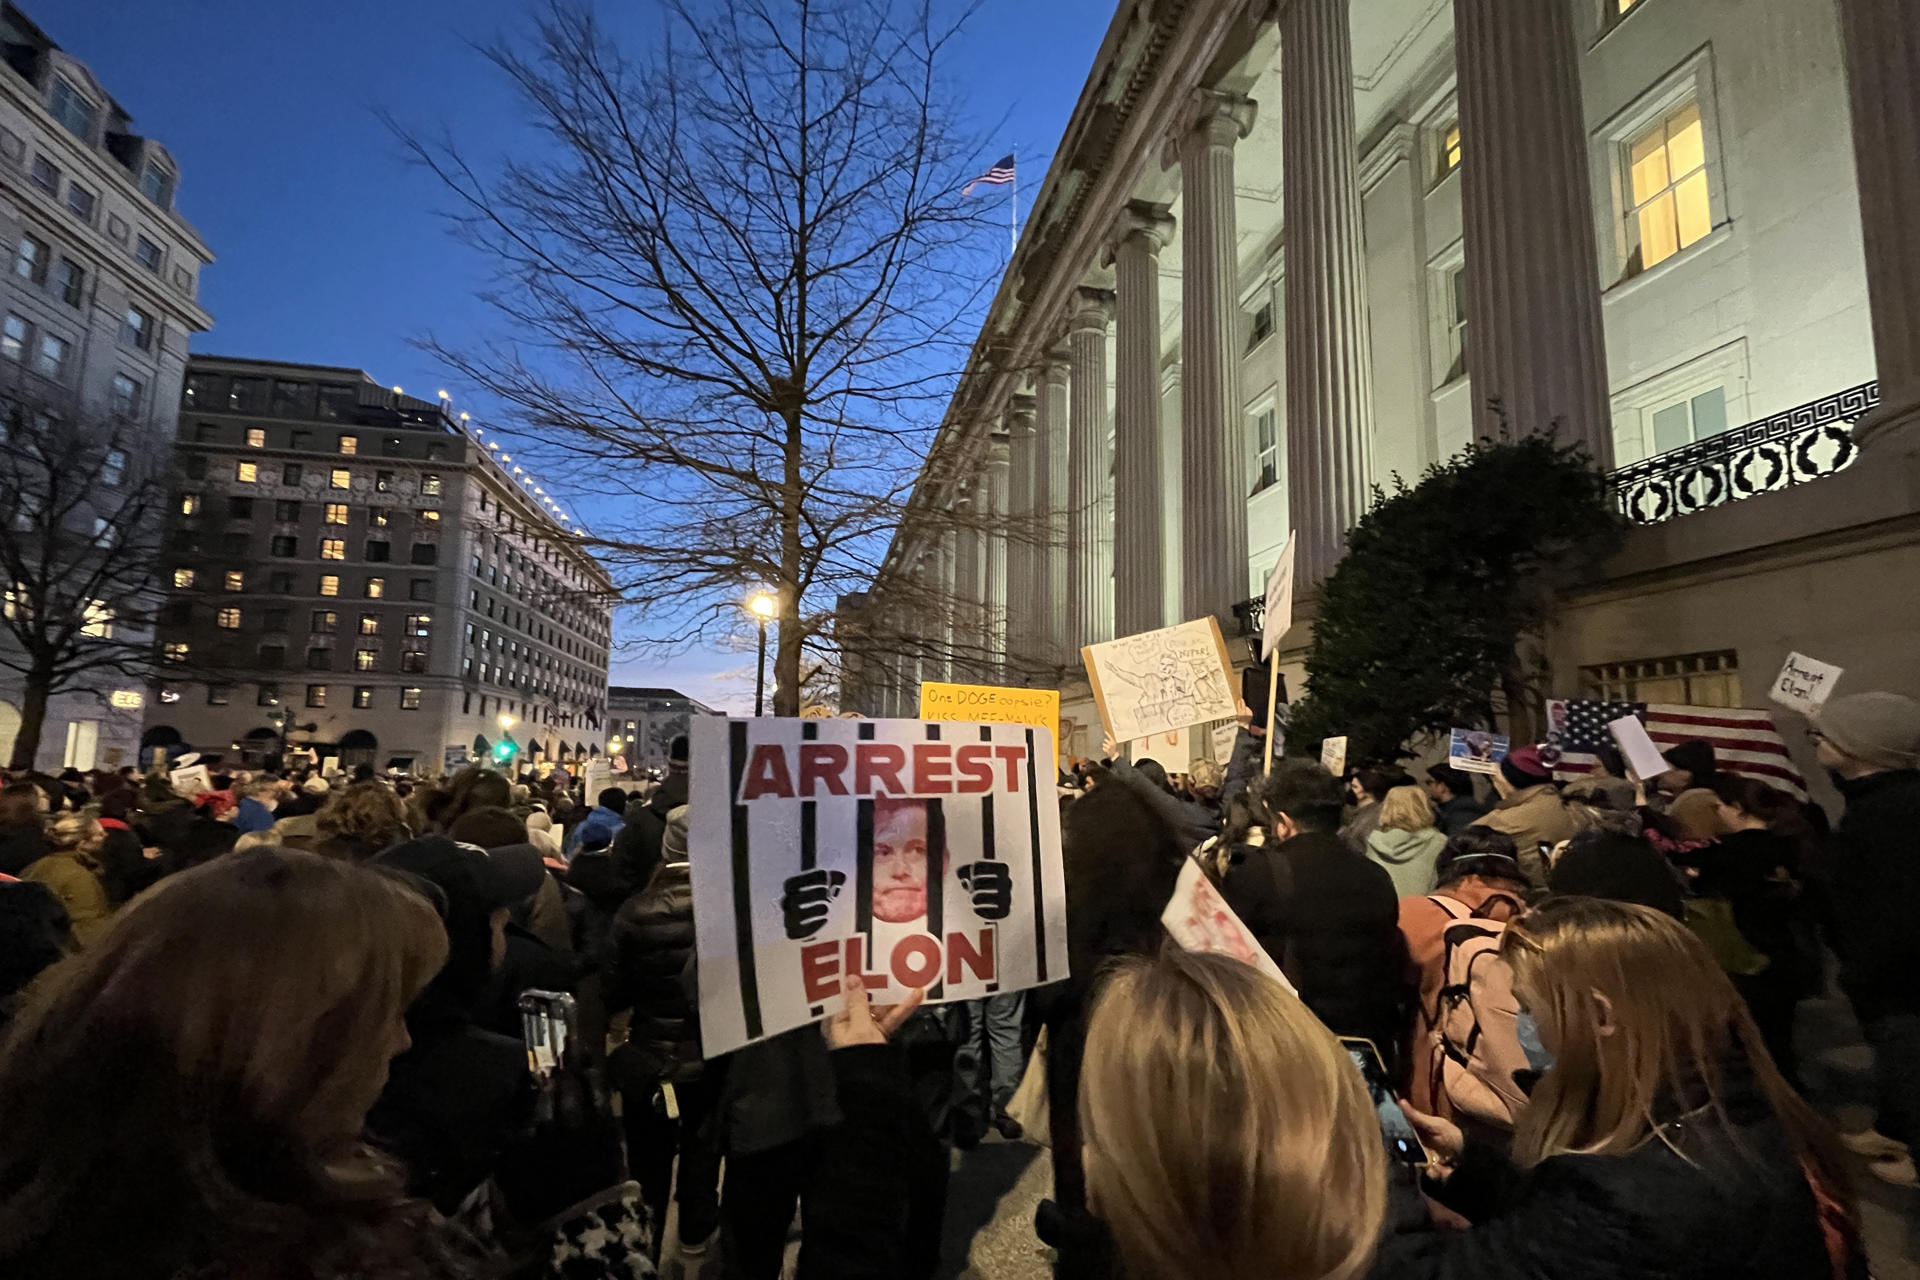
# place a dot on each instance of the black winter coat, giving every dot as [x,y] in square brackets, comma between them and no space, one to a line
[1873,857]
[651,949]
[1727,1205]
[1457,814]
[21,845]
[1331,921]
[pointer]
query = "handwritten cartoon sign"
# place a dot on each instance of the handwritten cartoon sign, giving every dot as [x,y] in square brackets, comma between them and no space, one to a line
[991,704]
[1804,684]
[915,853]
[1159,680]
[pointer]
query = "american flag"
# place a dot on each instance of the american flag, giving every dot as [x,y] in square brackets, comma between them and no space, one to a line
[1744,741]
[998,176]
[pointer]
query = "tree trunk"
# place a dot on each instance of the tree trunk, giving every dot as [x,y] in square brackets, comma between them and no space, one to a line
[33,718]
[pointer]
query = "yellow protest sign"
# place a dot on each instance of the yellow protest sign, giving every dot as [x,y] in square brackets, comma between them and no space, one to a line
[992,704]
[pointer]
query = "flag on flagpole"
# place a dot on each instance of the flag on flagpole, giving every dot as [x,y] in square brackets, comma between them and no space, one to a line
[998,176]
[1744,741]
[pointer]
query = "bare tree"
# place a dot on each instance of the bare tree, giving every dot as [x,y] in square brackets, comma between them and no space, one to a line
[741,278]
[85,498]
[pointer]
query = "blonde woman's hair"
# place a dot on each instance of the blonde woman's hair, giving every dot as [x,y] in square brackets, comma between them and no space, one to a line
[1674,1024]
[71,832]
[1225,1131]
[1406,809]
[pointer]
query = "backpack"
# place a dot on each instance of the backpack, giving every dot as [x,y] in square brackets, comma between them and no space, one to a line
[1475,1047]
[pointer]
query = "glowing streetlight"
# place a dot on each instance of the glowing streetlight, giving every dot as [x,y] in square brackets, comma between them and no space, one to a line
[762,606]
[444,395]
[506,722]
[397,391]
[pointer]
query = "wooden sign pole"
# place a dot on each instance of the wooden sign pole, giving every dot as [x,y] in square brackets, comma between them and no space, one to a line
[1273,694]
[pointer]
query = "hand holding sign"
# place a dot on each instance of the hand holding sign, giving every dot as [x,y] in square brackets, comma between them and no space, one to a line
[991,885]
[808,897]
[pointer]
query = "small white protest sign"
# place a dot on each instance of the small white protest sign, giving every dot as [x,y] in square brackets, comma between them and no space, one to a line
[1199,919]
[1277,618]
[1804,684]
[1333,755]
[1642,756]
[1171,749]
[1224,736]
[191,781]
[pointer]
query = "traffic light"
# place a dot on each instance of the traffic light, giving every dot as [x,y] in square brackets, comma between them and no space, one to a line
[504,751]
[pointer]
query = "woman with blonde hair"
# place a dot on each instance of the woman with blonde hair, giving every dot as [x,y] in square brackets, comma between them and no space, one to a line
[73,871]
[187,1096]
[1225,1132]
[1406,842]
[1659,1141]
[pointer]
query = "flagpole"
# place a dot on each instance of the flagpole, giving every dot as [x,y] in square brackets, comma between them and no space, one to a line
[1013,210]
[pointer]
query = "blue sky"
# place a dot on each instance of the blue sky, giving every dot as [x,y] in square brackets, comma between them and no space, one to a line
[327,245]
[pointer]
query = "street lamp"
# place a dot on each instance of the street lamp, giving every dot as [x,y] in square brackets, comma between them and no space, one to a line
[763,607]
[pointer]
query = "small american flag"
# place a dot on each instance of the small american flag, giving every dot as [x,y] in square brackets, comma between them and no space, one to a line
[1744,741]
[998,176]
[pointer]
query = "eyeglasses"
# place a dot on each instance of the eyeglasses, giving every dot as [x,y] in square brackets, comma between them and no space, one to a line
[1814,735]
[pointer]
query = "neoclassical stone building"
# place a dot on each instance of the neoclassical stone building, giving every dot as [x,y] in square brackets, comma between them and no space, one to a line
[1289,250]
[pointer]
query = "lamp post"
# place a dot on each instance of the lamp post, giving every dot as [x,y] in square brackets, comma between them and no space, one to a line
[763,607]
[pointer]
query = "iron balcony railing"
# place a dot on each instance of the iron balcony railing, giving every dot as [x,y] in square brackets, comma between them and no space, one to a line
[1800,444]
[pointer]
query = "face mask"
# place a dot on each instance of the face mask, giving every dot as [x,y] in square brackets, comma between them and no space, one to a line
[1529,1032]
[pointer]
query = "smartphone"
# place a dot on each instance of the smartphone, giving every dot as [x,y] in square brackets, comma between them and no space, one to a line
[549,1023]
[1403,1144]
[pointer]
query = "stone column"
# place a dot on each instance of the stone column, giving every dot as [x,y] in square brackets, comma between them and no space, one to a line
[1091,566]
[941,606]
[994,591]
[963,598]
[1139,469]
[1053,597]
[1172,459]
[1020,534]
[1535,343]
[1882,42]
[1329,352]
[1213,468]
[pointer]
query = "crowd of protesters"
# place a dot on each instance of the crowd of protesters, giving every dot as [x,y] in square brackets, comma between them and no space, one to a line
[274,1029]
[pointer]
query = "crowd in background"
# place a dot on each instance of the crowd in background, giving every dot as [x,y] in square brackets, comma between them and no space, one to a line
[275,1029]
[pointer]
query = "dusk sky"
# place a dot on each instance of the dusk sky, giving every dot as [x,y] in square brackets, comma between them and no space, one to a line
[328,249]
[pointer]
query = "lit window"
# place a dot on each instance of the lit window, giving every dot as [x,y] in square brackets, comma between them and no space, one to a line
[246,472]
[410,698]
[269,695]
[148,253]
[174,651]
[14,333]
[336,513]
[365,659]
[1449,149]
[349,445]
[1671,200]
[376,588]
[329,584]
[183,578]
[189,504]
[113,467]
[99,621]
[333,548]
[430,516]
[256,437]
[430,484]
[369,624]
[1266,443]
[419,625]
[316,695]
[136,329]
[50,360]
[229,618]
[236,580]
[413,662]
[362,697]
[341,479]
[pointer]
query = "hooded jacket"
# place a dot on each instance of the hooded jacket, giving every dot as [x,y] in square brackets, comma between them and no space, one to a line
[1408,857]
[1533,816]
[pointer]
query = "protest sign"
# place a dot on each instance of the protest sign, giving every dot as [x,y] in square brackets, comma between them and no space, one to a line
[596,775]
[1173,749]
[1224,736]
[1277,618]
[914,853]
[1158,680]
[192,780]
[1477,751]
[1804,684]
[1199,919]
[1642,756]
[991,704]
[1333,755]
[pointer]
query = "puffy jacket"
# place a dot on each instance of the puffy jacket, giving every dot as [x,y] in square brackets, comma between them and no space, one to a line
[652,948]
[1331,920]
[1874,861]
[1711,1201]
[1533,816]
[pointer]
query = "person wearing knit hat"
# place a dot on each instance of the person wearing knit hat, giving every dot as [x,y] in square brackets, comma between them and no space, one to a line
[1870,743]
[1530,810]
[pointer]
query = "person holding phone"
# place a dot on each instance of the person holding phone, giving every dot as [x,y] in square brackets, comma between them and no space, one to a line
[1660,1139]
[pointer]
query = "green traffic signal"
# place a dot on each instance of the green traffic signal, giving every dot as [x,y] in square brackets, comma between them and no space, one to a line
[505,751]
